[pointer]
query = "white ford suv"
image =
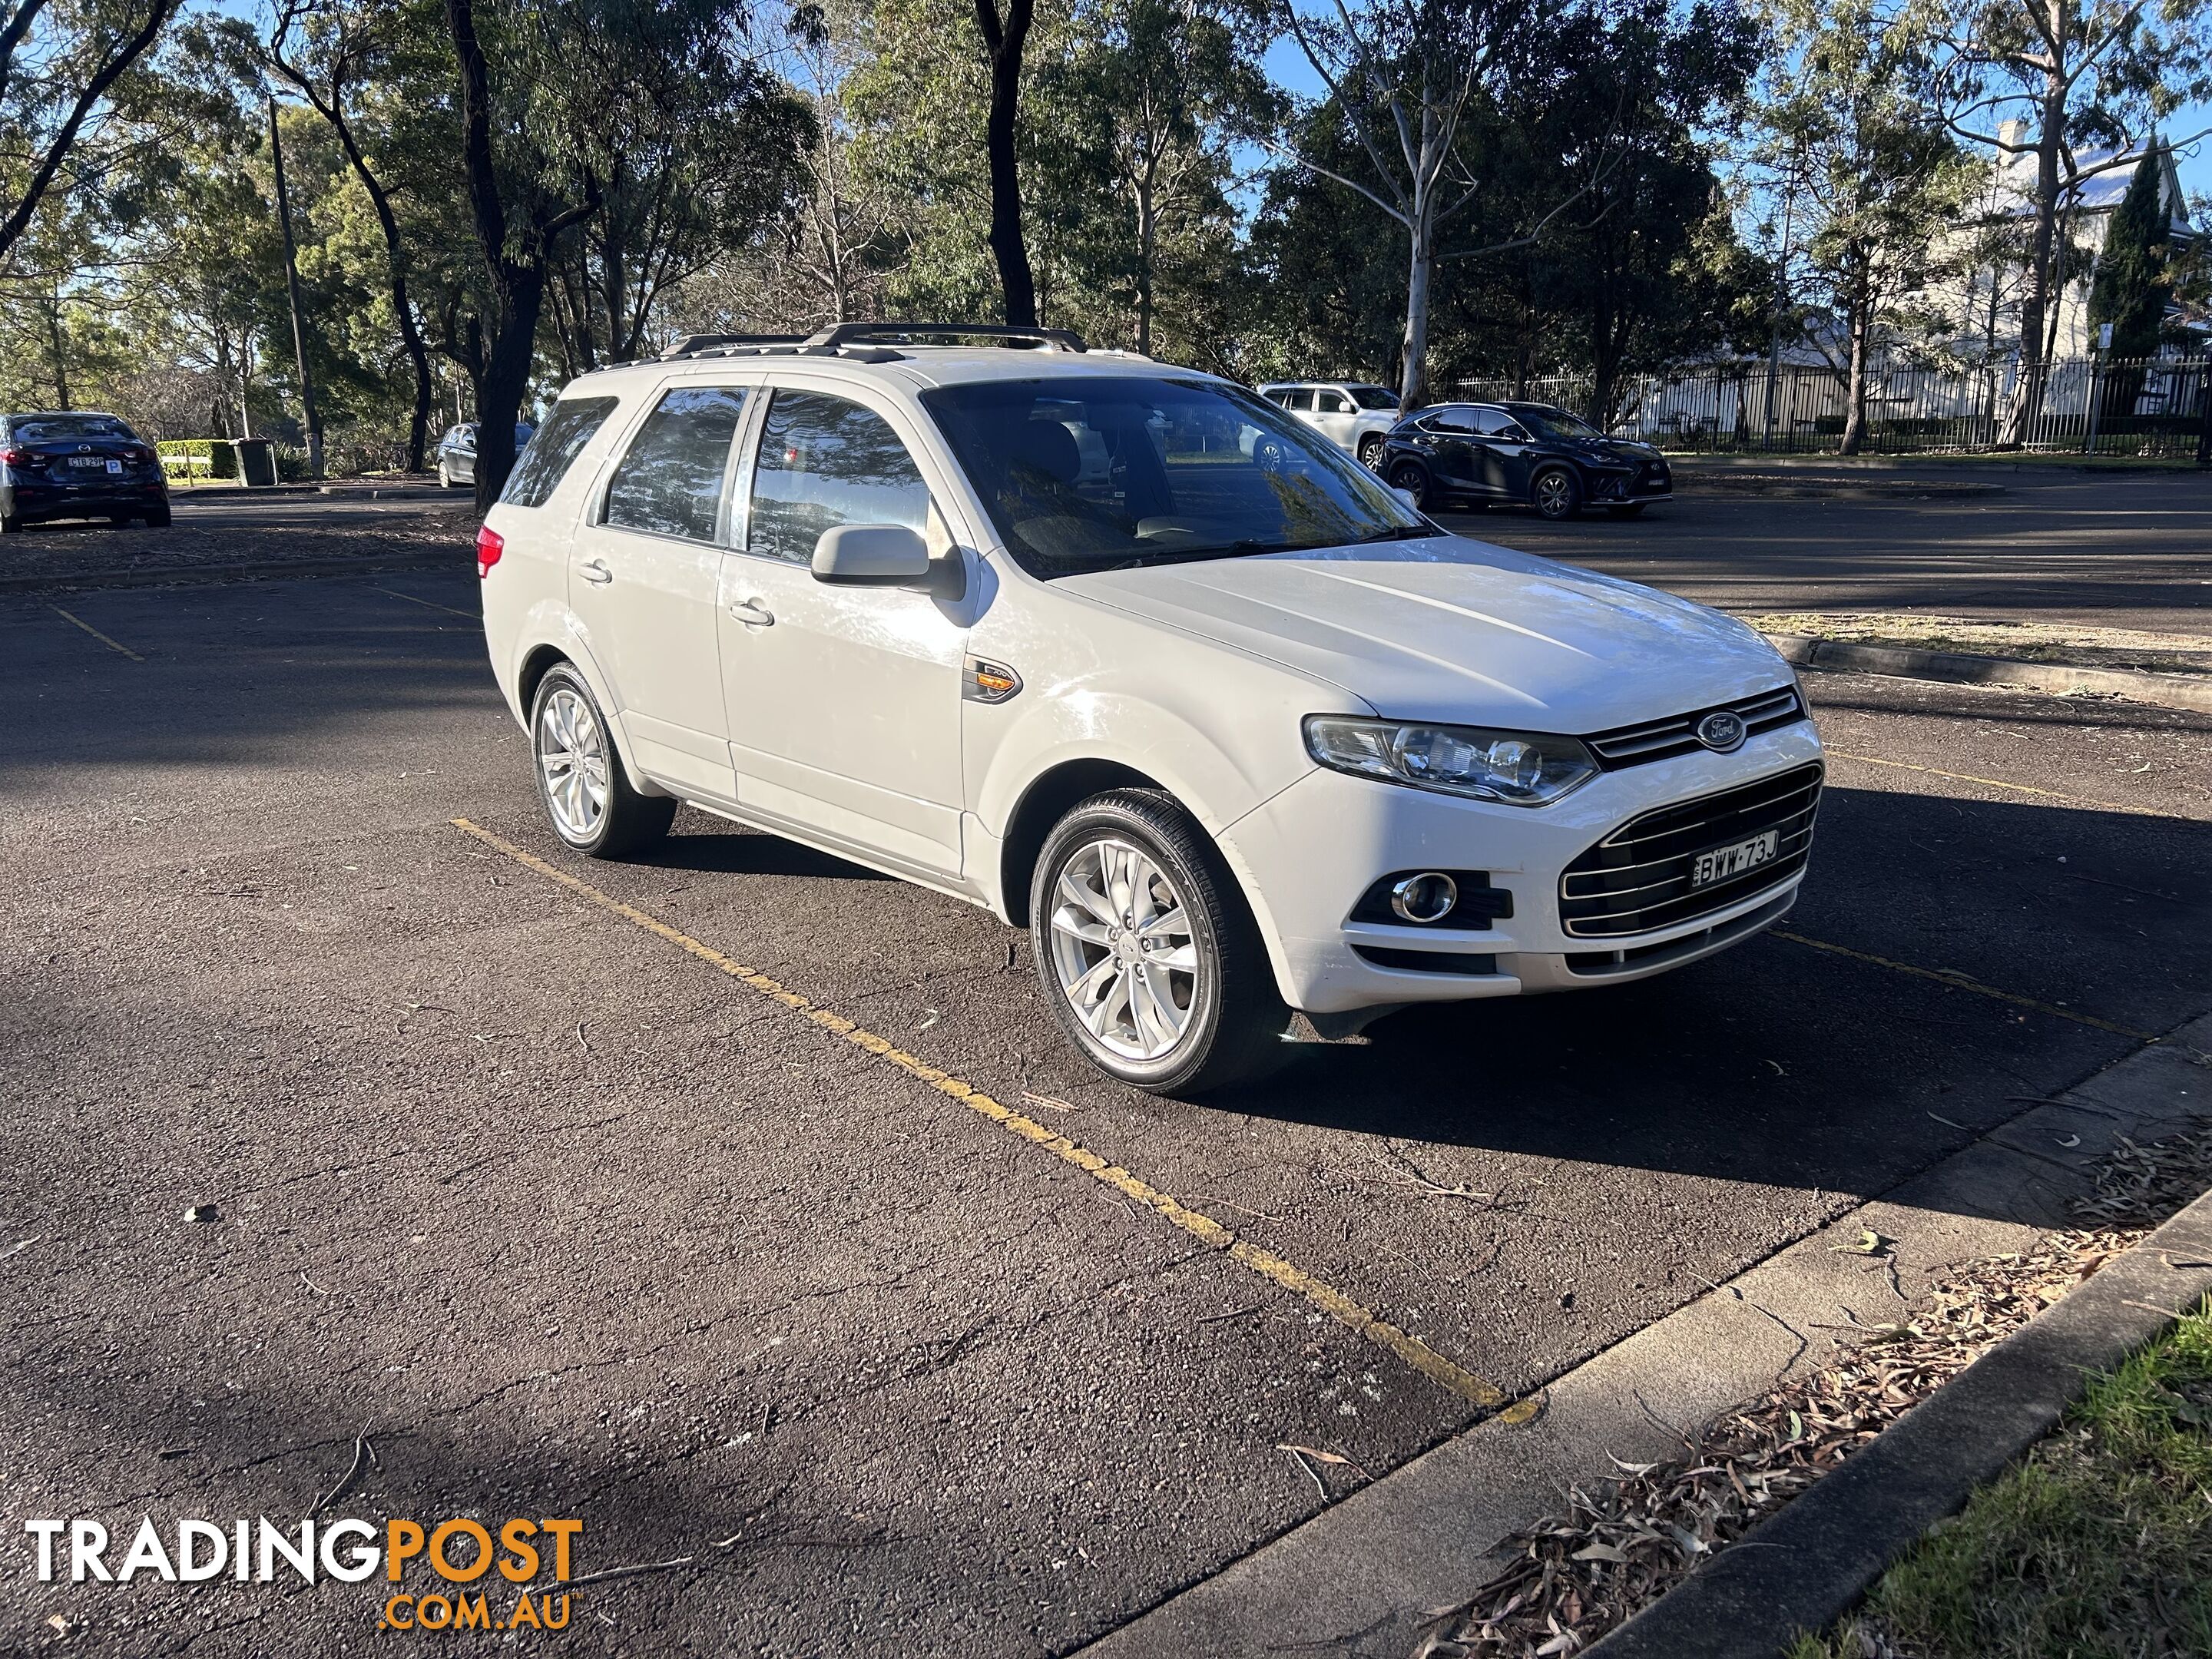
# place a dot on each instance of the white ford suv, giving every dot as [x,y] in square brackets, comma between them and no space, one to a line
[1130,657]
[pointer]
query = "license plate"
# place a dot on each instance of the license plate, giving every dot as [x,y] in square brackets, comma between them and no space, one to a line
[91,461]
[1722,862]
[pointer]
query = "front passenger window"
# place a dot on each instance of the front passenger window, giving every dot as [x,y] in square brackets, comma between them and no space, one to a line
[824,461]
[670,482]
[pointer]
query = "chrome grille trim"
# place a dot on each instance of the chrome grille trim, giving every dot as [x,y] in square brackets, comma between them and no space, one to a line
[1651,740]
[1636,880]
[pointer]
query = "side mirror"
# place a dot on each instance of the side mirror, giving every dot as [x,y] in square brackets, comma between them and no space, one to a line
[1406,496]
[871,556]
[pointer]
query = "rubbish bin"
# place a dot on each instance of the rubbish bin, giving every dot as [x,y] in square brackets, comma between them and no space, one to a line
[257,462]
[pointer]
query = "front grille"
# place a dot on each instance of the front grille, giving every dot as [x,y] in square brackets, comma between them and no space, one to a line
[1637,878]
[1632,746]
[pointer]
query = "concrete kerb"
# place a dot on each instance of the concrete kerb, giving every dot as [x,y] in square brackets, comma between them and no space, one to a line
[1808,1565]
[1902,662]
[1362,1577]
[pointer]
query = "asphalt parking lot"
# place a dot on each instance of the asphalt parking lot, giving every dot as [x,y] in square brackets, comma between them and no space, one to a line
[576,1222]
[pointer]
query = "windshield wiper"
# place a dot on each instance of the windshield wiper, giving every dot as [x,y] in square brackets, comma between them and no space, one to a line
[1399,532]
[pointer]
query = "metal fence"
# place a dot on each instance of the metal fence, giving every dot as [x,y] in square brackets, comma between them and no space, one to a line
[2156,407]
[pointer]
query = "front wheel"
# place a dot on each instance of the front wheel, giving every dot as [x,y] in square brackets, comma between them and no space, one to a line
[1555,493]
[588,796]
[1370,452]
[1150,958]
[1627,510]
[1413,478]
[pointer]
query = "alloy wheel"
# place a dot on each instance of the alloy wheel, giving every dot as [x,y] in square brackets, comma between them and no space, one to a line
[572,759]
[1123,950]
[1555,494]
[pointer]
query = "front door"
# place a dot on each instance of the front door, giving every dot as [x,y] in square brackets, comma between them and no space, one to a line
[844,703]
[1454,459]
[1335,415]
[644,576]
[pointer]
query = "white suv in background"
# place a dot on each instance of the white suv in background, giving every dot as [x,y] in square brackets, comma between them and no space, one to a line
[1354,416]
[1124,654]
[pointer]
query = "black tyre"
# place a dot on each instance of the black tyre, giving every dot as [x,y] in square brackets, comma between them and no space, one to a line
[11,525]
[1413,478]
[1146,952]
[1370,452]
[158,519]
[1627,510]
[1555,493]
[587,795]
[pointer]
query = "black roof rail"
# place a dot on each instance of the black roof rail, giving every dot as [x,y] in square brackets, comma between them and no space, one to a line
[692,344]
[839,335]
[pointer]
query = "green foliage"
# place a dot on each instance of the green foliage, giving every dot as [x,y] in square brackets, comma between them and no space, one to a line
[2132,288]
[2098,1546]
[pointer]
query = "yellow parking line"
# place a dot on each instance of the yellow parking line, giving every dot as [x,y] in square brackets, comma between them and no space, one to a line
[95,633]
[1996,783]
[1959,982]
[433,604]
[1341,1308]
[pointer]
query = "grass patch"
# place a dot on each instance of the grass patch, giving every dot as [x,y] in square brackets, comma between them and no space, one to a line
[2098,1546]
[2019,640]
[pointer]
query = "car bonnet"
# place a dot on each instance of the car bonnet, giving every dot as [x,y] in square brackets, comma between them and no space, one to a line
[1447,629]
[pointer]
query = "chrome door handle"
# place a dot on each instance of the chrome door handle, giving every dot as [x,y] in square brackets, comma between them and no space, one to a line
[596,572]
[753,614]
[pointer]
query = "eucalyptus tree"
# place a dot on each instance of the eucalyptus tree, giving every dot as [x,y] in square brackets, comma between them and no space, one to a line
[2058,93]
[60,61]
[1884,180]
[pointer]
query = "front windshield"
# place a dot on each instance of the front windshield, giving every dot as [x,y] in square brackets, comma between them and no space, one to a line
[51,429]
[1374,396]
[1104,472]
[1557,423]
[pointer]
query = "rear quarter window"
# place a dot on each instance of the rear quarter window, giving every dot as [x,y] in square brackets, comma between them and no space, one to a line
[553,449]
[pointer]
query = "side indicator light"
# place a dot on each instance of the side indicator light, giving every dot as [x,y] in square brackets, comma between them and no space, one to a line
[988,682]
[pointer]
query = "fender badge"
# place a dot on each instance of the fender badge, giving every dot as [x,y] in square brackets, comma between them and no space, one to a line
[988,682]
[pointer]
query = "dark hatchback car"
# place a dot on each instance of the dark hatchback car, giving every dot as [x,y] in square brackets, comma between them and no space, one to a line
[78,464]
[1468,455]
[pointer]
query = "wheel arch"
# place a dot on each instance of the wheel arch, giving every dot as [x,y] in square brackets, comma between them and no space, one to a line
[1048,798]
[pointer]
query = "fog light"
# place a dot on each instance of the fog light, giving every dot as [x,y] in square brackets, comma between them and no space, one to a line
[1427,897]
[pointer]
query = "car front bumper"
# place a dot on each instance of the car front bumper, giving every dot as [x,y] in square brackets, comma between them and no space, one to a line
[1307,857]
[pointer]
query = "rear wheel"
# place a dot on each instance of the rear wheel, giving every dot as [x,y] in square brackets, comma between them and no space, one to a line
[593,806]
[158,519]
[445,477]
[1413,478]
[1148,955]
[11,525]
[1555,493]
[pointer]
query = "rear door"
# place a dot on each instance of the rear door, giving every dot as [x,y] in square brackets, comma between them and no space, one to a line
[844,703]
[644,572]
[1335,413]
[1507,451]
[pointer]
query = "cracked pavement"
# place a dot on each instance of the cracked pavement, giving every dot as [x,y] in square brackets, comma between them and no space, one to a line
[573,1225]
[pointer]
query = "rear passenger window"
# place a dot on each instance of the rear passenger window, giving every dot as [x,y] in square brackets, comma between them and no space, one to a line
[671,480]
[552,449]
[825,462]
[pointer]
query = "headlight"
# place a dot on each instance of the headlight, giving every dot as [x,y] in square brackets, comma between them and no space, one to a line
[1522,768]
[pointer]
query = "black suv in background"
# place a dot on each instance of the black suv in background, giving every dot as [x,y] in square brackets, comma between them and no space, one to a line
[1468,455]
[78,464]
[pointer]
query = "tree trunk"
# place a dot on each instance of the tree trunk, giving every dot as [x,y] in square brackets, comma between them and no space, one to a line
[2027,394]
[1855,392]
[1420,274]
[1148,244]
[1005,40]
[59,349]
[314,420]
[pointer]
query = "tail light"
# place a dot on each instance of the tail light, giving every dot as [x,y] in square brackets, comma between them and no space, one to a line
[490,545]
[15,456]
